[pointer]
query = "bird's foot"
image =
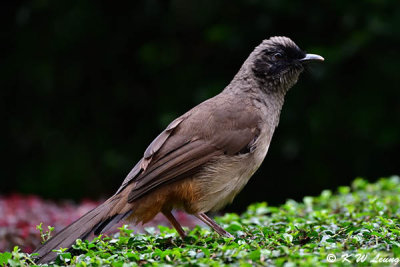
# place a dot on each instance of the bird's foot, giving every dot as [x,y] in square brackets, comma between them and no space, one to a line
[175,223]
[210,222]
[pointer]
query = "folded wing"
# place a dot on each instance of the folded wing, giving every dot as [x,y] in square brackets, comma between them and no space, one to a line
[188,143]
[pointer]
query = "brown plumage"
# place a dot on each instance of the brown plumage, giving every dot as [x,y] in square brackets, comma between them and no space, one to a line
[202,160]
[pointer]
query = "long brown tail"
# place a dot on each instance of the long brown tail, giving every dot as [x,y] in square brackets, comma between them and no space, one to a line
[96,220]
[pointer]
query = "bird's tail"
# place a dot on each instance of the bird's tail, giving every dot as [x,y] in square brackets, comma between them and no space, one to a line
[96,220]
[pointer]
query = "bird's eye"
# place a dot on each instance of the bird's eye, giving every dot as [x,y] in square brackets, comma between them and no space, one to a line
[277,56]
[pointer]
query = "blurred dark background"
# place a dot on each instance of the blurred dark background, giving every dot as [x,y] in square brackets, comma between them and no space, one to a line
[86,85]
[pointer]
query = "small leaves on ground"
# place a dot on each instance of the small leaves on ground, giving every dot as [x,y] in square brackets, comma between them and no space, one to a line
[357,225]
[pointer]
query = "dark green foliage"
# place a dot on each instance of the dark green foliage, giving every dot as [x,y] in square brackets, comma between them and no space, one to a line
[86,86]
[358,221]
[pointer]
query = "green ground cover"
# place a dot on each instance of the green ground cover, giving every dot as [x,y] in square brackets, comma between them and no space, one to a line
[357,224]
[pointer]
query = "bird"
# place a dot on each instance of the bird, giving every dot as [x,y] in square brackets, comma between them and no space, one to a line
[205,157]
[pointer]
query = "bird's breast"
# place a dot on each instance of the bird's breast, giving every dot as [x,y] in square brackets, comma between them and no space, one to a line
[223,178]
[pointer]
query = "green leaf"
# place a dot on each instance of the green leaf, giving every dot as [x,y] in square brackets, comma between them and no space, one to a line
[4,257]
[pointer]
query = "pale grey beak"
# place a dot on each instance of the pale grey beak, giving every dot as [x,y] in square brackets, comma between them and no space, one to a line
[311,57]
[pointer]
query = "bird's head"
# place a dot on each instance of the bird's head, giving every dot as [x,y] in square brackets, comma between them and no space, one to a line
[278,61]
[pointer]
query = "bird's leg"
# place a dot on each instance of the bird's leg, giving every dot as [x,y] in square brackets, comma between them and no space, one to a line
[174,223]
[210,222]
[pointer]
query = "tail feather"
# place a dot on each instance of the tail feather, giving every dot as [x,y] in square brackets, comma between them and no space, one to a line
[81,228]
[107,224]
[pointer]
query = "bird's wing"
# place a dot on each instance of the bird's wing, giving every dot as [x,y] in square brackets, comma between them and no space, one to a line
[191,141]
